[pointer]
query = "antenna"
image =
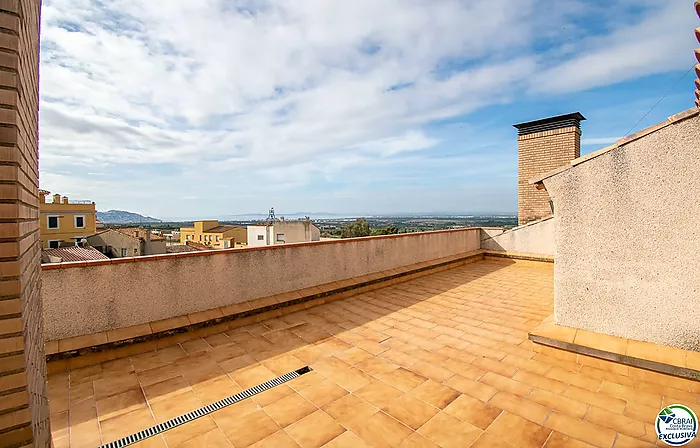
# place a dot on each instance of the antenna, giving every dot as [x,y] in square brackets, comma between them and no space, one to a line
[271,215]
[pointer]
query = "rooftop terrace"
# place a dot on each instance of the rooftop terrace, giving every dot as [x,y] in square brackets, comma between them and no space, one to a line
[439,360]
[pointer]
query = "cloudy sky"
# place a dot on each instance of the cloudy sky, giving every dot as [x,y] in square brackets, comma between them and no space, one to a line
[208,108]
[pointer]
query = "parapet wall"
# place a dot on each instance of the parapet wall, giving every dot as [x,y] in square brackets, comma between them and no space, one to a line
[89,297]
[627,237]
[536,237]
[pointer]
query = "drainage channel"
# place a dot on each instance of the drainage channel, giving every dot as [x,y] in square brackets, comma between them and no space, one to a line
[201,412]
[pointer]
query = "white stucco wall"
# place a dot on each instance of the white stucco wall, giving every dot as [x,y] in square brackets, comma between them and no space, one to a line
[82,299]
[536,237]
[628,239]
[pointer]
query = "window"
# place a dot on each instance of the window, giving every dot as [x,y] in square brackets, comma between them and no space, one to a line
[200,237]
[52,222]
[261,237]
[280,237]
[188,237]
[124,252]
[54,244]
[80,222]
[218,237]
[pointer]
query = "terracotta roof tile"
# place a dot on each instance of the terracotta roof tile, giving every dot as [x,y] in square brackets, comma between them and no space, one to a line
[75,253]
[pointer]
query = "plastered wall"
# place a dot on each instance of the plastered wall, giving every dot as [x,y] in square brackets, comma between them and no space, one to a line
[627,235]
[90,299]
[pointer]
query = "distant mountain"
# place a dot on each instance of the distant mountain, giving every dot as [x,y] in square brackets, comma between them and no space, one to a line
[123,217]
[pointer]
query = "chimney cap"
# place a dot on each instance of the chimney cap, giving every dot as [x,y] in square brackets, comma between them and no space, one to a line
[549,124]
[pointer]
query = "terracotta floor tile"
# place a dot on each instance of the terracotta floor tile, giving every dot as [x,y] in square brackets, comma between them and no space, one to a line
[157,374]
[378,393]
[505,384]
[214,439]
[472,388]
[382,431]
[542,382]
[600,400]
[472,411]
[487,440]
[175,405]
[592,372]
[279,439]
[252,376]
[616,422]
[216,389]
[121,404]
[641,413]
[286,363]
[559,440]
[431,371]
[518,431]
[125,424]
[237,363]
[450,432]
[520,406]
[402,379]
[248,429]
[323,393]
[354,355]
[435,394]
[350,409]
[289,409]
[575,379]
[306,380]
[603,364]
[416,440]
[183,433]
[560,403]
[585,431]
[80,392]
[315,430]
[490,365]
[226,351]
[113,386]
[624,441]
[346,440]
[376,366]
[630,394]
[170,354]
[195,346]
[164,389]
[410,411]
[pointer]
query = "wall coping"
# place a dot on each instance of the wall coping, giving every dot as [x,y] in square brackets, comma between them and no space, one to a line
[684,115]
[146,258]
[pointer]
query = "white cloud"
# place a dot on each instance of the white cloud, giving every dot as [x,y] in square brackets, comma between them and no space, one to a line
[214,95]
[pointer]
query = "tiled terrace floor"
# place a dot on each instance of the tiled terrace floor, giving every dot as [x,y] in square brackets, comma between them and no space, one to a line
[442,360]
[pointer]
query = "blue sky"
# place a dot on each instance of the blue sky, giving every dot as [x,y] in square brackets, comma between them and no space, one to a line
[218,107]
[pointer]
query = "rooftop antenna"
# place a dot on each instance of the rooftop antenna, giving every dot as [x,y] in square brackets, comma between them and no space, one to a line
[271,215]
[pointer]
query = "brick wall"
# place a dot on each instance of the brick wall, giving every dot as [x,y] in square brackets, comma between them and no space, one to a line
[24,415]
[539,153]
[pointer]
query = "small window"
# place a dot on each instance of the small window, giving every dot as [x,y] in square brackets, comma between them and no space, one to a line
[124,252]
[280,237]
[261,237]
[187,237]
[54,244]
[52,222]
[79,222]
[200,237]
[218,238]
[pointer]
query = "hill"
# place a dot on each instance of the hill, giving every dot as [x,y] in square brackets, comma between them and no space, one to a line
[123,217]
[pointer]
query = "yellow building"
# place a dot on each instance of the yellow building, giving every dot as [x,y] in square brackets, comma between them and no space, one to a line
[63,222]
[212,234]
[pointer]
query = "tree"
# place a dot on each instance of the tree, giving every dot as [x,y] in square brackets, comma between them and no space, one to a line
[356,229]
[389,230]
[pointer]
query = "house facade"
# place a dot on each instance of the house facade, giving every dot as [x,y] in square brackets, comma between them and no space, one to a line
[283,232]
[63,222]
[214,235]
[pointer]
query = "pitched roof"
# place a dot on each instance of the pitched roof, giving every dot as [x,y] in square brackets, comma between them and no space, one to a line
[75,253]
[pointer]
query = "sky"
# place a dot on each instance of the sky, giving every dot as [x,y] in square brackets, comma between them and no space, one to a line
[204,109]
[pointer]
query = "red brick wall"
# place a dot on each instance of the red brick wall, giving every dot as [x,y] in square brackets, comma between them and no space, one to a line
[24,415]
[539,153]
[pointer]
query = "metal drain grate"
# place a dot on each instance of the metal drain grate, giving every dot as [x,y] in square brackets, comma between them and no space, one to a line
[201,412]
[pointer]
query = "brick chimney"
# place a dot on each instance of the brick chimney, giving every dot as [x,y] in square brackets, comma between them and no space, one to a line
[544,145]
